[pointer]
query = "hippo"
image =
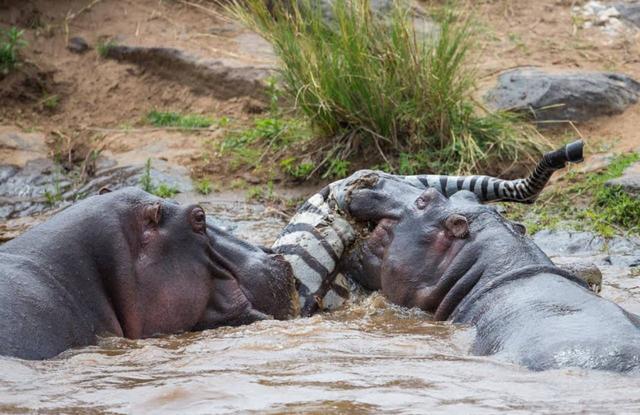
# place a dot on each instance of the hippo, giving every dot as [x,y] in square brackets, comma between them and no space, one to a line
[127,263]
[465,263]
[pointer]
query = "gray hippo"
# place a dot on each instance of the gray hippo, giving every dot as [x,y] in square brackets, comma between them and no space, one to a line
[130,264]
[466,263]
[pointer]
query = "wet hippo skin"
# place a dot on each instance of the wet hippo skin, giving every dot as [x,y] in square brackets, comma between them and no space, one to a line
[127,263]
[464,262]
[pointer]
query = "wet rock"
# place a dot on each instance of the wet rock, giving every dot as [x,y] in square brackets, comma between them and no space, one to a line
[565,243]
[32,189]
[575,96]
[585,270]
[629,181]
[42,186]
[223,78]
[78,45]
[630,12]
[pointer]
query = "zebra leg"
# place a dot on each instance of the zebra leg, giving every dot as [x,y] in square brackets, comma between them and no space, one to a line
[371,195]
[313,243]
[491,189]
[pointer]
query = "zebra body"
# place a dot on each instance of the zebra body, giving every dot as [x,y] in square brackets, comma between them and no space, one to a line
[318,235]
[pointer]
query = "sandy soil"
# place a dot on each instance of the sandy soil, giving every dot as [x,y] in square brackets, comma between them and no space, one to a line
[102,102]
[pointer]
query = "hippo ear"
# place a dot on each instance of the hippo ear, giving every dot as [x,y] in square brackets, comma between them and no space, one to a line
[457,225]
[104,190]
[153,212]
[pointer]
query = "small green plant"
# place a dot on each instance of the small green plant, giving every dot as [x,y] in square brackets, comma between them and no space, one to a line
[174,119]
[145,179]
[337,169]
[51,102]
[255,193]
[11,41]
[54,195]
[262,194]
[163,190]
[103,47]
[274,96]
[291,167]
[204,186]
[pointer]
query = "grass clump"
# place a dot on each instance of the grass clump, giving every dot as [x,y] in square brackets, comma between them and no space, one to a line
[586,203]
[267,138]
[11,41]
[204,186]
[370,83]
[174,119]
[103,47]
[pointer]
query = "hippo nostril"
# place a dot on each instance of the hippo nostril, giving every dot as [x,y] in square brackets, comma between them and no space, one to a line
[198,219]
[426,197]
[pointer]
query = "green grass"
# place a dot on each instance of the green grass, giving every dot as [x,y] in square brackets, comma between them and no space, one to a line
[267,138]
[174,119]
[375,85]
[204,186]
[165,191]
[103,47]
[585,203]
[11,41]
[50,102]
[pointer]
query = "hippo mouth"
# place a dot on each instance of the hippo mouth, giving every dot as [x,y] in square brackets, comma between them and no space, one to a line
[264,278]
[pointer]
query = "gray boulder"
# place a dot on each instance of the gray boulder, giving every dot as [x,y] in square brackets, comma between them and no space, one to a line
[630,11]
[629,181]
[574,96]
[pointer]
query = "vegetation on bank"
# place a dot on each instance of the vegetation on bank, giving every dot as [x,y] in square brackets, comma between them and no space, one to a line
[174,119]
[584,202]
[374,88]
[11,41]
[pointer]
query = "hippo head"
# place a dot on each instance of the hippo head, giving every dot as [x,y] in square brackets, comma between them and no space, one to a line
[440,248]
[179,273]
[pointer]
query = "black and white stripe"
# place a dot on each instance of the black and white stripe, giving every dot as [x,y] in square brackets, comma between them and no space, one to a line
[313,243]
[491,189]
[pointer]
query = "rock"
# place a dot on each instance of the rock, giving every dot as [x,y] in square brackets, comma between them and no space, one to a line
[585,270]
[565,243]
[78,45]
[17,147]
[630,12]
[223,78]
[42,186]
[629,181]
[603,15]
[575,96]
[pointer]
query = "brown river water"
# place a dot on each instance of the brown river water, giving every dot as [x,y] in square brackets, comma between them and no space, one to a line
[370,357]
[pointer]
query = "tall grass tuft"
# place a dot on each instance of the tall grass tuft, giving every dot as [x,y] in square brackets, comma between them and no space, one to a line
[370,81]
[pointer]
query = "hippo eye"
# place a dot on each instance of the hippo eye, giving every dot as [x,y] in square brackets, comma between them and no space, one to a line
[198,220]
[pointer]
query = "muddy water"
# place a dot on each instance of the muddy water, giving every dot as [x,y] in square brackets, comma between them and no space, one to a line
[368,358]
